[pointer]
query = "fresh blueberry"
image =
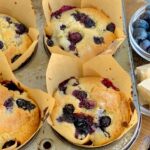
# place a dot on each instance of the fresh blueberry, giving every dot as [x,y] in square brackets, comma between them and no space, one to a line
[146,16]
[145,44]
[21,28]
[9,103]
[148,50]
[8,144]
[81,95]
[24,104]
[148,7]
[139,34]
[139,23]
[148,37]
[98,40]
[1,45]
[111,27]
[12,86]
[15,58]
[62,27]
[104,121]
[74,37]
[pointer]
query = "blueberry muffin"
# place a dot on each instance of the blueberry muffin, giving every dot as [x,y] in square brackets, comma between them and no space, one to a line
[14,38]
[90,111]
[20,115]
[84,32]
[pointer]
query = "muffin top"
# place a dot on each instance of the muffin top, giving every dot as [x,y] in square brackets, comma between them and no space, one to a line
[19,115]
[14,38]
[84,32]
[90,111]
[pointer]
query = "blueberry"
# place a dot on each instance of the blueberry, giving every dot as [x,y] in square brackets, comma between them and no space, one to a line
[139,23]
[11,86]
[145,44]
[63,85]
[72,47]
[89,23]
[21,28]
[88,104]
[146,16]
[104,121]
[8,144]
[83,123]
[24,104]
[139,34]
[84,19]
[8,19]
[81,95]
[148,7]
[68,113]
[111,27]
[98,40]
[58,13]
[15,58]
[9,103]
[68,109]
[148,50]
[1,45]
[50,42]
[148,35]
[62,27]
[74,37]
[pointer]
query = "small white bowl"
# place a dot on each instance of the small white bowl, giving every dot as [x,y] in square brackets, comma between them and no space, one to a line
[133,43]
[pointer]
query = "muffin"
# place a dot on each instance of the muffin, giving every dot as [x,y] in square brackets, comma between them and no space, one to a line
[84,32]
[19,113]
[14,38]
[90,111]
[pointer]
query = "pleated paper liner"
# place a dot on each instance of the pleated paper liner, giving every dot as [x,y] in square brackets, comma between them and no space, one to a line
[62,67]
[23,12]
[44,101]
[113,9]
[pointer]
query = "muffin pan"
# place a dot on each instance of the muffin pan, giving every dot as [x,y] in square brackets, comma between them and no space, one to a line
[33,75]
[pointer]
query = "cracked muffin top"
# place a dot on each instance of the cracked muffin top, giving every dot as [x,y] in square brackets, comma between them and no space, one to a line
[20,115]
[90,111]
[84,32]
[14,38]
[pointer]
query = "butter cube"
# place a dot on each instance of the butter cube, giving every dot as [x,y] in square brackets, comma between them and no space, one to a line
[143,72]
[144,91]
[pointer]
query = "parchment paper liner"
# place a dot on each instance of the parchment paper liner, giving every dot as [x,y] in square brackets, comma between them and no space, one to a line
[62,67]
[104,5]
[22,11]
[43,100]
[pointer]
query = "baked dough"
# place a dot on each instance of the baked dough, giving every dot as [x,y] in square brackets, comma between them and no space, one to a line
[90,111]
[14,38]
[20,115]
[84,32]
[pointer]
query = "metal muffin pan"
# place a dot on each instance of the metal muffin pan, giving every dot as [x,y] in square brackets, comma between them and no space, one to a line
[33,75]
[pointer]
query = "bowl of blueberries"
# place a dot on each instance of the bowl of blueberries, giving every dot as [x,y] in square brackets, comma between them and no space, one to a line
[139,32]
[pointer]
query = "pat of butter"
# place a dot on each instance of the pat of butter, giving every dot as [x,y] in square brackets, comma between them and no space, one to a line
[144,91]
[143,72]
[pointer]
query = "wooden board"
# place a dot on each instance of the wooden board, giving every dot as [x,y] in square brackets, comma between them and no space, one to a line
[131,7]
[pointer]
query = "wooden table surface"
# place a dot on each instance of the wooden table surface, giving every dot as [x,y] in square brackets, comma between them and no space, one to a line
[131,7]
